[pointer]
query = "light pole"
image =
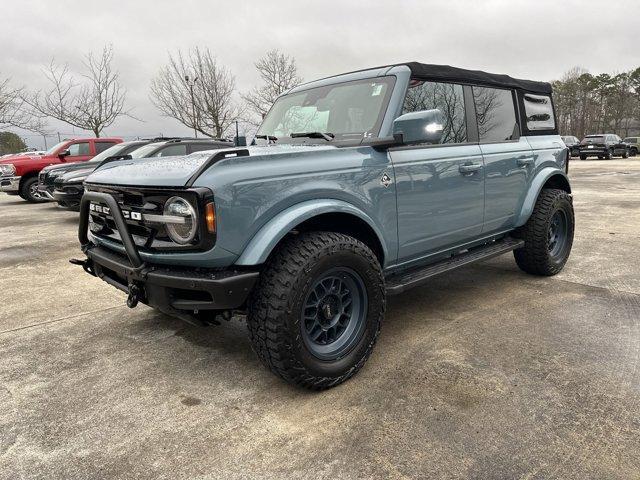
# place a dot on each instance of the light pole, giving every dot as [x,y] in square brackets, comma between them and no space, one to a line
[192,83]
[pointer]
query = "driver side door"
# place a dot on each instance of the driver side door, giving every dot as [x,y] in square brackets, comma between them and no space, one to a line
[440,187]
[79,152]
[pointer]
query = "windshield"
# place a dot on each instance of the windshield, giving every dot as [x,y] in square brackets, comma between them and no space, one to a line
[145,151]
[53,149]
[110,152]
[349,110]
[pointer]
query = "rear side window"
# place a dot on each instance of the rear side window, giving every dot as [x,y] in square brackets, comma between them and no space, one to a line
[77,149]
[539,112]
[446,97]
[102,146]
[496,114]
[199,147]
[171,150]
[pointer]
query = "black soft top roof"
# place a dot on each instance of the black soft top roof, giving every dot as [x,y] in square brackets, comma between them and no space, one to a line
[448,73]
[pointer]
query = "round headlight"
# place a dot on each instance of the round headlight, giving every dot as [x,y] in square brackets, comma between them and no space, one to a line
[182,231]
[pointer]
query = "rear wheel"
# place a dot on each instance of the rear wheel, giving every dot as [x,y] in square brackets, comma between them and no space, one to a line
[583,157]
[547,235]
[315,314]
[608,155]
[29,191]
[625,154]
[634,152]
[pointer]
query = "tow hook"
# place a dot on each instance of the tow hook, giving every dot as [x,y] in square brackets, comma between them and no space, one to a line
[86,265]
[135,295]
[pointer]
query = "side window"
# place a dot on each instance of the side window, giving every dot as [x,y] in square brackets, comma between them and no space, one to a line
[77,149]
[199,147]
[539,112]
[446,97]
[171,150]
[496,114]
[102,146]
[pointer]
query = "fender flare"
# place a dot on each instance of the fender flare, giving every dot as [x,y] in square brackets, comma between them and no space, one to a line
[268,236]
[534,190]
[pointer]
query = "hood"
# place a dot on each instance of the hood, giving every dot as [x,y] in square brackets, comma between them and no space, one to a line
[60,168]
[176,171]
[77,175]
[20,159]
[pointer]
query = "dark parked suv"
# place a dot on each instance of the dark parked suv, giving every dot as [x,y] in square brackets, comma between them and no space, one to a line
[48,175]
[573,144]
[605,145]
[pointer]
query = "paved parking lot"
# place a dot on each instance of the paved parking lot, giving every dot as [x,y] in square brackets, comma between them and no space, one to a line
[484,373]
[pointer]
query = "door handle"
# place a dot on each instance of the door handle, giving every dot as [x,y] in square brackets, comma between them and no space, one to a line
[469,168]
[524,162]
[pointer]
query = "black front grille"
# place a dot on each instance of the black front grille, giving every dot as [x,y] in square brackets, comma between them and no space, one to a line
[148,236]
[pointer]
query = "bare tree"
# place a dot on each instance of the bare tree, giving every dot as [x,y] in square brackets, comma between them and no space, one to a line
[14,112]
[279,73]
[93,104]
[198,92]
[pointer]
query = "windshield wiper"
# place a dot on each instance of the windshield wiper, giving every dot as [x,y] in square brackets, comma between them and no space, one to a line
[327,136]
[268,138]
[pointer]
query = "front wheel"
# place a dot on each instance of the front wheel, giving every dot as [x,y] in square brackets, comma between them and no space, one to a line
[547,235]
[583,157]
[29,191]
[316,311]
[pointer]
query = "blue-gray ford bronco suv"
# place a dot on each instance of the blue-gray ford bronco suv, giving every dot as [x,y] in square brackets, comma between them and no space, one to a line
[357,186]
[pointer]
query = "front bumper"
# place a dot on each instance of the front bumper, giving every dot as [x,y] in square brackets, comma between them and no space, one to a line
[172,290]
[9,184]
[45,191]
[68,198]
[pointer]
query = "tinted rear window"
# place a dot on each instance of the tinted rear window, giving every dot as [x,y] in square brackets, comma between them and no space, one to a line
[596,139]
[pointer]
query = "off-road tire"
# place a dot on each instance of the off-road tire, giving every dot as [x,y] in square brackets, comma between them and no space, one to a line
[534,257]
[275,306]
[26,191]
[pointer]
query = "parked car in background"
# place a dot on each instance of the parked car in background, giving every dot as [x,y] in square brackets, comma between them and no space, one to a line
[604,145]
[49,174]
[67,188]
[180,146]
[573,144]
[633,144]
[367,184]
[19,173]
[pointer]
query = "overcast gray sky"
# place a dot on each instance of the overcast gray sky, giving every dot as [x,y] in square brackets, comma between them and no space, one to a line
[535,39]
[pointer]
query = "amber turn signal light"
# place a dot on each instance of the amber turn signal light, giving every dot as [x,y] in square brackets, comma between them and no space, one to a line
[210,217]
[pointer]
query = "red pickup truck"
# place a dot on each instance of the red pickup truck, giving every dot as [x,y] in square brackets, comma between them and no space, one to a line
[19,174]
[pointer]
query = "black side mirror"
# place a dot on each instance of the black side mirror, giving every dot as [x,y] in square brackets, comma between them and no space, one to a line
[64,153]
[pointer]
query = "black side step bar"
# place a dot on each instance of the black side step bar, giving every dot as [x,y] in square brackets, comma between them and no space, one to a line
[399,283]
